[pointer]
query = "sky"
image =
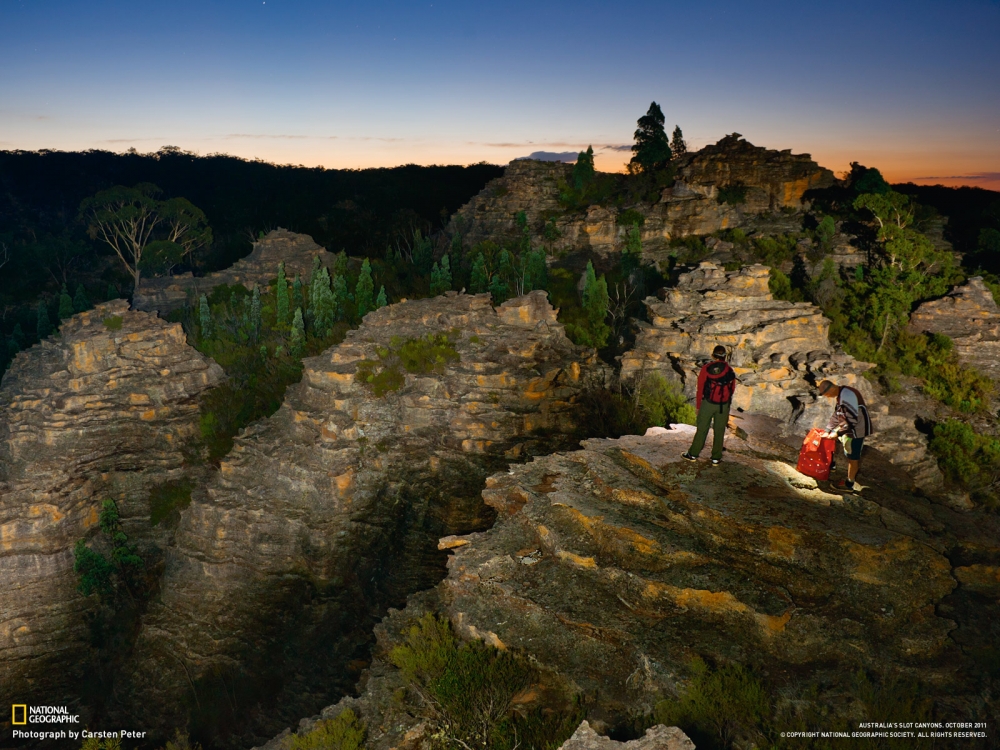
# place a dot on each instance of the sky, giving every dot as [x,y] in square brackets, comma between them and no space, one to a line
[912,88]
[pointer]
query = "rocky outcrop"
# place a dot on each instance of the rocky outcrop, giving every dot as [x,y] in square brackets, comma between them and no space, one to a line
[659,737]
[968,315]
[767,181]
[615,566]
[106,408]
[330,510]
[779,349]
[167,293]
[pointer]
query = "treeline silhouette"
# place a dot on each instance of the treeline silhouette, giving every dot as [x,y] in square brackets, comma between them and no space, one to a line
[360,211]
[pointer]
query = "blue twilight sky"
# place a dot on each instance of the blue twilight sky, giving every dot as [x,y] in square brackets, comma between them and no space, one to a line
[911,87]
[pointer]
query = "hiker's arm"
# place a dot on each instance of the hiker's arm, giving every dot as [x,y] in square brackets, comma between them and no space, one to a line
[702,377]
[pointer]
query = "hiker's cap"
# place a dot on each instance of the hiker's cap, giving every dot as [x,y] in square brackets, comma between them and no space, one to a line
[824,386]
[719,352]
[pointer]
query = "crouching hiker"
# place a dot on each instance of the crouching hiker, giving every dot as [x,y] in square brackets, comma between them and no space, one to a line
[716,383]
[850,423]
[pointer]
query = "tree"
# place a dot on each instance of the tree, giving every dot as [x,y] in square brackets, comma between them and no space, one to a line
[364,290]
[298,333]
[479,280]
[298,300]
[381,300]
[65,304]
[281,297]
[595,308]
[147,235]
[678,147]
[651,149]
[44,325]
[583,170]
[80,300]
[322,305]
[441,276]
[255,314]
[631,251]
[204,317]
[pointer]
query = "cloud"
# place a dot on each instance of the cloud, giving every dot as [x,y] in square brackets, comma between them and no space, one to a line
[977,177]
[564,156]
[616,147]
[267,136]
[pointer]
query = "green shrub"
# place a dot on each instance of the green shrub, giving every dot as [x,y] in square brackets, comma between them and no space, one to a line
[734,194]
[113,323]
[932,357]
[344,732]
[720,708]
[773,251]
[631,217]
[690,249]
[423,355]
[467,692]
[781,287]
[662,402]
[181,741]
[968,459]
[167,498]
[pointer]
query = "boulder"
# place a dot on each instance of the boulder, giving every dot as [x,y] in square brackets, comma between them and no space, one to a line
[330,510]
[968,315]
[165,294]
[104,409]
[660,737]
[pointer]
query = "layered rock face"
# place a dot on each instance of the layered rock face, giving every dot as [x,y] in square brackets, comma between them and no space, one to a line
[104,409]
[615,564]
[779,349]
[612,567]
[969,316]
[330,510]
[296,251]
[772,180]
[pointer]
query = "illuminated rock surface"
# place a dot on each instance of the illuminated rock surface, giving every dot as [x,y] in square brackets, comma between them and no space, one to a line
[98,411]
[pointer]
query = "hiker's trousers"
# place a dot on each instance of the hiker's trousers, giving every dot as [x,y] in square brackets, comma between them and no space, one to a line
[715,416]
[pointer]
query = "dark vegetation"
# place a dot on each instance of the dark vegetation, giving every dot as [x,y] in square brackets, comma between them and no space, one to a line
[45,246]
[477,697]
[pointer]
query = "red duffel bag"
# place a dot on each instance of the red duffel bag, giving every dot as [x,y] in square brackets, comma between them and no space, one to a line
[816,455]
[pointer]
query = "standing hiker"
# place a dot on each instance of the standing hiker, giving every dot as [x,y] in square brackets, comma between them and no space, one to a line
[716,383]
[850,423]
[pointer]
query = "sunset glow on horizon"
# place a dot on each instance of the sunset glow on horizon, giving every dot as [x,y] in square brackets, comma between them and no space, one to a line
[355,86]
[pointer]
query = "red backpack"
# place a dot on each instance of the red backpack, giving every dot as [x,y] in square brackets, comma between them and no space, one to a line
[720,384]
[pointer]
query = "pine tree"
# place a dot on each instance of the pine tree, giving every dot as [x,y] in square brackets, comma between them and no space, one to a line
[536,275]
[340,297]
[595,307]
[323,306]
[44,325]
[204,317]
[364,290]
[298,336]
[631,251]
[255,313]
[651,148]
[297,299]
[479,280]
[281,297]
[80,300]
[435,280]
[340,264]
[381,300]
[12,348]
[583,170]
[65,304]
[677,145]
[446,280]
[423,254]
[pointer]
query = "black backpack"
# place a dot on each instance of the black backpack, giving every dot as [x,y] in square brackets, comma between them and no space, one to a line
[719,390]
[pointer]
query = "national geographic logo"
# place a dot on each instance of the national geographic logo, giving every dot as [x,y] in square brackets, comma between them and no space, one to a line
[23,714]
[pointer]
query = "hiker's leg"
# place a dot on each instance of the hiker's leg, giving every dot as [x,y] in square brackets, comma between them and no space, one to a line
[854,458]
[703,422]
[719,421]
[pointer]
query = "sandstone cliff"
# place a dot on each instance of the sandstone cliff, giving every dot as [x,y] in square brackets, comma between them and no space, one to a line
[167,293]
[330,510]
[104,409]
[970,317]
[615,565]
[773,180]
[779,349]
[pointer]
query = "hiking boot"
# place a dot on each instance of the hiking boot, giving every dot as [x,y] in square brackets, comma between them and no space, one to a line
[844,485]
[688,457]
[716,461]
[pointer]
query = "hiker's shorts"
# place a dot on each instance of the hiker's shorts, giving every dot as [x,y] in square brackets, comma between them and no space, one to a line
[852,447]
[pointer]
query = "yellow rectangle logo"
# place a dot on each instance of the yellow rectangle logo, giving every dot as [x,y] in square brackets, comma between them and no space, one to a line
[24,713]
